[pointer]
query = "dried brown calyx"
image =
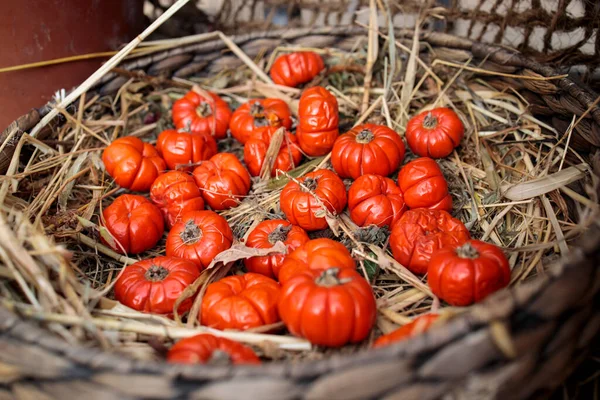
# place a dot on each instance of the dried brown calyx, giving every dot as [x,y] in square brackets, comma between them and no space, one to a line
[430,122]
[330,277]
[219,358]
[192,233]
[279,234]
[309,184]
[204,110]
[156,273]
[467,251]
[365,136]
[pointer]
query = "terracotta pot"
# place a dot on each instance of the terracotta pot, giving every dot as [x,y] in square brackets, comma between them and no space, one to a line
[40,30]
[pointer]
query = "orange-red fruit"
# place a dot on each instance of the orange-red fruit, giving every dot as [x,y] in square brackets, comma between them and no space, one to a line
[255,152]
[415,327]
[223,181]
[296,68]
[257,115]
[304,201]
[434,133]
[241,302]
[199,237]
[153,285]
[424,185]
[266,235]
[466,274]
[315,254]
[375,200]
[176,193]
[367,149]
[329,307]
[420,232]
[202,113]
[134,222]
[318,120]
[133,164]
[209,349]
[179,148]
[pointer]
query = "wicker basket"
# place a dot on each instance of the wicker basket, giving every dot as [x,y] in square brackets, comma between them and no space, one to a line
[520,343]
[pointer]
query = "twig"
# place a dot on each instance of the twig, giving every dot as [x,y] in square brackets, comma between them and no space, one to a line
[172,332]
[104,249]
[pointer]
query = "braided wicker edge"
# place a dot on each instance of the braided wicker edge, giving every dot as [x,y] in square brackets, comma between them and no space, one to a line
[537,356]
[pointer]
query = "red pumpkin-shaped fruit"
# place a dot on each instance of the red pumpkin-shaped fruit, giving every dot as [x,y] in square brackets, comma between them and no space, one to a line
[133,164]
[199,237]
[153,285]
[176,193]
[257,115]
[367,149]
[211,350]
[375,200]
[424,185]
[419,233]
[316,254]
[202,112]
[329,307]
[305,200]
[266,235]
[135,224]
[180,148]
[241,302]
[318,119]
[296,68]
[413,328]
[255,151]
[434,133]
[223,181]
[466,274]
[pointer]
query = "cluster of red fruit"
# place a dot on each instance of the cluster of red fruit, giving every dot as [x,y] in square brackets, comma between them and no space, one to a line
[314,288]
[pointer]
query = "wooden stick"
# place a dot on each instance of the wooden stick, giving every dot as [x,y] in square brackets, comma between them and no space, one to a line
[242,56]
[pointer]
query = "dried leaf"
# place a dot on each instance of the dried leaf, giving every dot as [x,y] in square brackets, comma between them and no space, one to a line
[96,161]
[540,186]
[333,222]
[188,292]
[240,252]
[272,153]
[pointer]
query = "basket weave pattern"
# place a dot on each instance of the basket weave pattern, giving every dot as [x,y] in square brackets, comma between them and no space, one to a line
[559,32]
